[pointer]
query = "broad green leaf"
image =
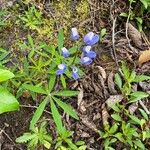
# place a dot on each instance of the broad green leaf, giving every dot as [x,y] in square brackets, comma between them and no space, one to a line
[135,96]
[56,117]
[132,76]
[33,88]
[135,119]
[67,108]
[63,81]
[5,75]
[60,39]
[7,101]
[38,113]
[66,93]
[139,144]
[51,83]
[125,69]
[113,129]
[116,117]
[145,3]
[118,81]
[144,114]
[140,78]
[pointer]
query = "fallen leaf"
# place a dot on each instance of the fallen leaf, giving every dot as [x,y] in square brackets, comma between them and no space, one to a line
[144,57]
[133,107]
[111,84]
[105,115]
[113,99]
[135,35]
[102,72]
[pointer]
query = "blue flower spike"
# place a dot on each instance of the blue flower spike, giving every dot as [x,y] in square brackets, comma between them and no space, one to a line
[88,52]
[74,34]
[75,73]
[65,52]
[86,60]
[61,69]
[91,38]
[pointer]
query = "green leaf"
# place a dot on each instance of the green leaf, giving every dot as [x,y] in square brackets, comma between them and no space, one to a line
[7,101]
[38,113]
[116,117]
[51,83]
[113,129]
[123,14]
[144,114]
[140,78]
[73,50]
[118,81]
[145,3]
[33,88]
[67,108]
[135,96]
[125,70]
[66,93]
[132,76]
[103,32]
[57,118]
[60,39]
[5,75]
[25,138]
[135,119]
[139,144]
[63,81]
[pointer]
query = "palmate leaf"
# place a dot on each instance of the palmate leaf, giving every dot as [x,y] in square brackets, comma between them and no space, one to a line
[38,113]
[56,117]
[7,101]
[33,88]
[5,75]
[66,107]
[66,93]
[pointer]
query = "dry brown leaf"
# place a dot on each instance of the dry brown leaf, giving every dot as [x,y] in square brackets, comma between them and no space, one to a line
[133,107]
[105,115]
[113,99]
[102,72]
[144,57]
[135,35]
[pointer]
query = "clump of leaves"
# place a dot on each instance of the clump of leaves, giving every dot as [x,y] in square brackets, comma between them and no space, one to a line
[125,80]
[127,128]
[37,137]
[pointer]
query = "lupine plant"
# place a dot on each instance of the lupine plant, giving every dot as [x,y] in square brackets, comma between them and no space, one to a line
[60,62]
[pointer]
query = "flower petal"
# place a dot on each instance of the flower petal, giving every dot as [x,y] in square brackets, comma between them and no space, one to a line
[86,60]
[65,52]
[91,54]
[59,72]
[91,38]
[86,49]
[75,75]
[74,34]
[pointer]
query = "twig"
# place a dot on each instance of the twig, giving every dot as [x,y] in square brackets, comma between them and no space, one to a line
[35,107]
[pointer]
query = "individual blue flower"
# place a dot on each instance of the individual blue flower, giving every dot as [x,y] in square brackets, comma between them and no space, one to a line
[61,69]
[91,38]
[65,52]
[88,52]
[74,34]
[75,73]
[86,60]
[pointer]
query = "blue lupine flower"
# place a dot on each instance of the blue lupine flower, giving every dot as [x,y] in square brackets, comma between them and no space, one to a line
[74,34]
[86,60]
[61,69]
[91,38]
[88,52]
[75,73]
[65,52]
